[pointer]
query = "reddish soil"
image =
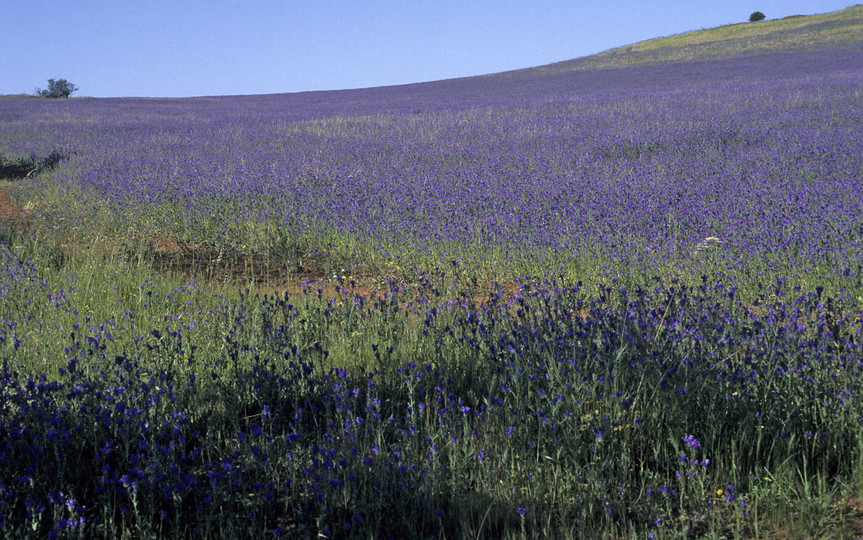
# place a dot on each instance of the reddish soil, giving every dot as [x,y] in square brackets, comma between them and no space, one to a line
[163,244]
[11,213]
[238,269]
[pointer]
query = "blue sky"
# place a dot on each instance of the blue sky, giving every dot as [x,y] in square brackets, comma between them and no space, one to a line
[174,48]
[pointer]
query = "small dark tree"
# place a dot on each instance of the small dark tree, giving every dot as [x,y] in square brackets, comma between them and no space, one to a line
[756,16]
[57,89]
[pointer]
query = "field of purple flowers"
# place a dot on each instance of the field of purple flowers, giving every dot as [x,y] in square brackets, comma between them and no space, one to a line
[594,171]
[670,344]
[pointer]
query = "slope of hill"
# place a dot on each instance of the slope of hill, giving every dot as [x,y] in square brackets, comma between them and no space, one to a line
[827,30]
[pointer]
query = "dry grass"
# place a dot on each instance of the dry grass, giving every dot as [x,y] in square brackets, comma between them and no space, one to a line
[850,19]
[836,28]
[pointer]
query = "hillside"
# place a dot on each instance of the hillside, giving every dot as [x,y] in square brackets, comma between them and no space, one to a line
[826,30]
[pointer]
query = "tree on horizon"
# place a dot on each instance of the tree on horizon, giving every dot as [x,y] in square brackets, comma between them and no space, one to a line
[60,88]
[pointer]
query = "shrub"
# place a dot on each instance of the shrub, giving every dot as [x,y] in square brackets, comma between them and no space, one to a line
[756,16]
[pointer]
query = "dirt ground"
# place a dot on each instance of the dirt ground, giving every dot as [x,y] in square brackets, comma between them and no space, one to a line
[11,213]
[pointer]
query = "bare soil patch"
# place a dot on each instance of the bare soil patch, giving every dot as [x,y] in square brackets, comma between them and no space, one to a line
[12,213]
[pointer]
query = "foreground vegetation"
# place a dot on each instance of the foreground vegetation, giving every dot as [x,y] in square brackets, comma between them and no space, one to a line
[139,404]
[621,304]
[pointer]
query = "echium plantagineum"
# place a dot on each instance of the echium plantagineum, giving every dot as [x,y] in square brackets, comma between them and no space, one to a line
[642,163]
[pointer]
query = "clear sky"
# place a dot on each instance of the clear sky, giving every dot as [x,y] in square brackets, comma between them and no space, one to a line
[174,48]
